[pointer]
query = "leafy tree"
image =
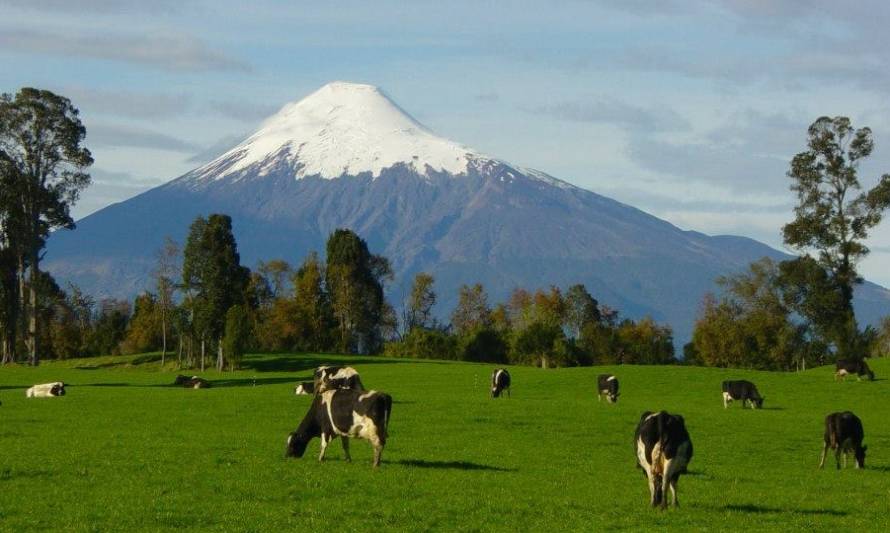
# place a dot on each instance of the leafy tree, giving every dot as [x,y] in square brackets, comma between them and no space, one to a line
[165,274]
[110,327]
[142,330]
[472,311]
[580,309]
[536,343]
[43,158]
[834,216]
[419,308]
[278,272]
[881,347]
[313,305]
[237,335]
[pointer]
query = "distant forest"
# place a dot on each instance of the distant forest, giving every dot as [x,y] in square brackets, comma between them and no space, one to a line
[205,308]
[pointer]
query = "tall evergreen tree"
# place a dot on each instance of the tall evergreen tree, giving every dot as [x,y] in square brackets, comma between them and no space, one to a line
[41,137]
[214,277]
[355,279]
[313,305]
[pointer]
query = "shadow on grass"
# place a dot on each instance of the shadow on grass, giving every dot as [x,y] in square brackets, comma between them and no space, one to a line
[294,363]
[761,509]
[452,465]
[102,385]
[135,361]
[877,468]
[773,408]
[246,382]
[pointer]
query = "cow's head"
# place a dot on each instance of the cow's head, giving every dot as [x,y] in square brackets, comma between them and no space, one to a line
[860,457]
[495,391]
[612,396]
[58,389]
[871,375]
[758,402]
[296,444]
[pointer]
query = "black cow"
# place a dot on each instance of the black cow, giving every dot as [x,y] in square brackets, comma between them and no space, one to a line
[843,367]
[607,385]
[343,413]
[305,388]
[663,449]
[193,382]
[741,390]
[843,433]
[336,377]
[500,382]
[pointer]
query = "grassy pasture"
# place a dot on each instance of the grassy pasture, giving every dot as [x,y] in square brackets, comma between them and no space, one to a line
[126,451]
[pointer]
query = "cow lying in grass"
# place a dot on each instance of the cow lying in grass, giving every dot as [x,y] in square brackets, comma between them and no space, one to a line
[843,434]
[664,449]
[193,382]
[46,390]
[346,414]
[336,377]
[306,388]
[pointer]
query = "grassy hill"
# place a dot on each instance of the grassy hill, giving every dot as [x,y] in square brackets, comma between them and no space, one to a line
[124,450]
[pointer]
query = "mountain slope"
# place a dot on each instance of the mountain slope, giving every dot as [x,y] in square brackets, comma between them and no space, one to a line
[347,156]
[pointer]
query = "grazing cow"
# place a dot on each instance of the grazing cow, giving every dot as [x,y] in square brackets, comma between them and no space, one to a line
[193,382]
[46,390]
[337,377]
[500,382]
[306,388]
[843,367]
[607,385]
[343,413]
[663,449]
[843,434]
[741,390]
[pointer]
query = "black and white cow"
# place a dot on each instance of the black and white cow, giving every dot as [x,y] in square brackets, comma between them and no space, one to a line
[336,377]
[843,434]
[306,388]
[343,413]
[607,385]
[46,390]
[859,367]
[193,382]
[741,390]
[663,449]
[500,382]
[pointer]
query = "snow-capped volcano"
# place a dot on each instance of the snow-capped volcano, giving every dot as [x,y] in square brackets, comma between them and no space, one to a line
[347,156]
[341,129]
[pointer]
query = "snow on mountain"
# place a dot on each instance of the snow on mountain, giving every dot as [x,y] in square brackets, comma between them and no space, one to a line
[341,129]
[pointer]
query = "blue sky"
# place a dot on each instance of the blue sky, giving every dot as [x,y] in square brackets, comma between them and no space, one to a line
[688,110]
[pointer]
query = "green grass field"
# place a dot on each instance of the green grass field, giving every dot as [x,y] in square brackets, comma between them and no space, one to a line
[126,451]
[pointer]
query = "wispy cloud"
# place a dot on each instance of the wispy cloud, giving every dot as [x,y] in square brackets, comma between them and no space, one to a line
[128,103]
[611,111]
[96,6]
[135,137]
[167,52]
[243,110]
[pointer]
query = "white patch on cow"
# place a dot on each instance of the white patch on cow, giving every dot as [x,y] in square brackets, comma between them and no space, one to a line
[610,378]
[43,390]
[344,373]
[727,399]
[367,395]
[289,438]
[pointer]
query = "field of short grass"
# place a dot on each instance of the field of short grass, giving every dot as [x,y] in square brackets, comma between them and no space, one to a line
[125,451]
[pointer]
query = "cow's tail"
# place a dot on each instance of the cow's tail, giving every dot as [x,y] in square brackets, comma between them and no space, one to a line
[658,461]
[385,404]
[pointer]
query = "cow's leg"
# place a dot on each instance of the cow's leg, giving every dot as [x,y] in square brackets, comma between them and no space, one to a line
[325,440]
[673,486]
[508,392]
[824,452]
[345,441]
[378,451]
[599,396]
[837,457]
